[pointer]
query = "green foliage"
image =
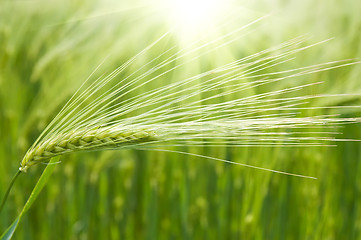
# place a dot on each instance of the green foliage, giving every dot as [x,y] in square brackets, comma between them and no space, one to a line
[34,194]
[47,50]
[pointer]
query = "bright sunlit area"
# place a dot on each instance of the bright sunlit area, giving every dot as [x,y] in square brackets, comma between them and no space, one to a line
[193,18]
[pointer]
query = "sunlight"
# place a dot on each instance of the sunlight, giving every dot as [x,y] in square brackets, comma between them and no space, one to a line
[195,17]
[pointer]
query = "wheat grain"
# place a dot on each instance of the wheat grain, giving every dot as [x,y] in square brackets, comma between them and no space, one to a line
[78,140]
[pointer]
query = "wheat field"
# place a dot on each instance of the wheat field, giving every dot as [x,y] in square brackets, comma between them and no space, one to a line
[245,126]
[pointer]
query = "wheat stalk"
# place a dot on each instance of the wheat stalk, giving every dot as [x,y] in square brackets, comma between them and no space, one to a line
[105,114]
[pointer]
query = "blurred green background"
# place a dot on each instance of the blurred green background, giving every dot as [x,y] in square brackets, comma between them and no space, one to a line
[48,48]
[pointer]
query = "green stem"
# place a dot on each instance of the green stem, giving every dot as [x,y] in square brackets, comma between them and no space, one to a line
[8,190]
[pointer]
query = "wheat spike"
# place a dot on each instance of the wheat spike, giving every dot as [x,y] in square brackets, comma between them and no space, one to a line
[107,115]
[78,140]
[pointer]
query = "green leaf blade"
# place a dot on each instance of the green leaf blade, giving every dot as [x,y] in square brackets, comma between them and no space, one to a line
[8,234]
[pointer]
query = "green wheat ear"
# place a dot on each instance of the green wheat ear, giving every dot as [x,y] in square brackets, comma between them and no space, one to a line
[109,113]
[84,140]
